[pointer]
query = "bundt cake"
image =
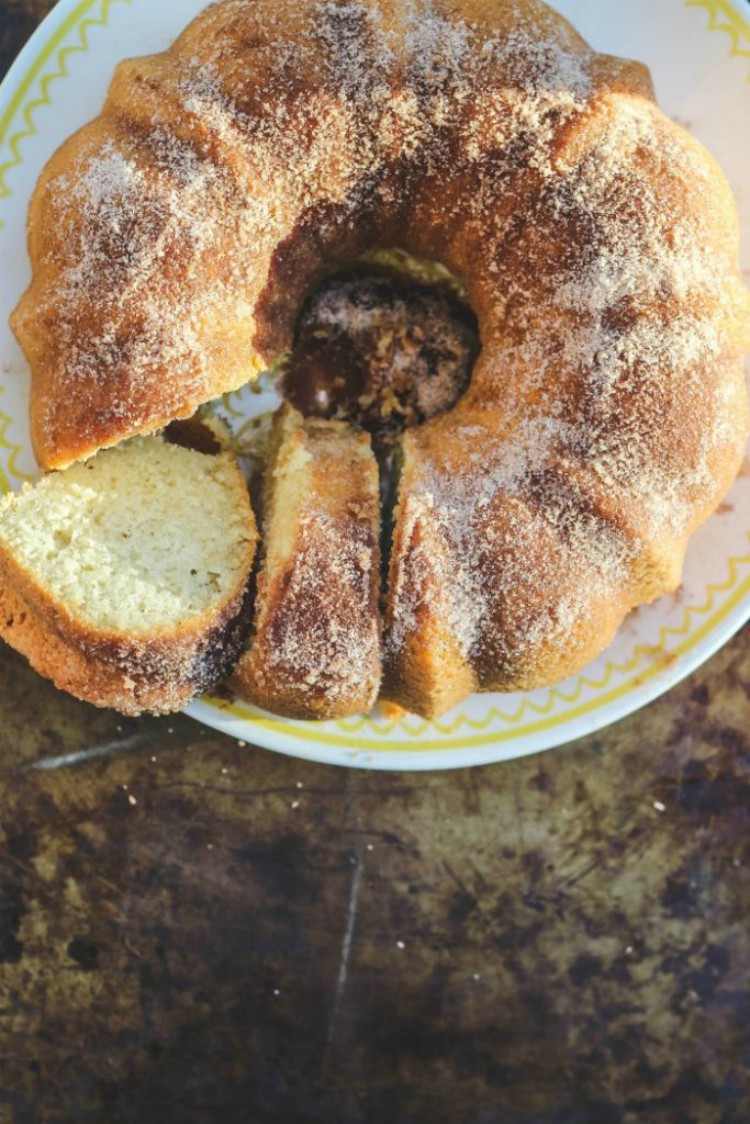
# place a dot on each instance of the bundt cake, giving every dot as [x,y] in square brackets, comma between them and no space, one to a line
[316,645]
[124,579]
[175,238]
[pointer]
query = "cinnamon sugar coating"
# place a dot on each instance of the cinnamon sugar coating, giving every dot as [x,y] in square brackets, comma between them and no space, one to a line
[175,238]
[316,645]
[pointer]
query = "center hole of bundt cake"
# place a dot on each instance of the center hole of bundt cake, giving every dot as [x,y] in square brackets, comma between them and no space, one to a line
[381,349]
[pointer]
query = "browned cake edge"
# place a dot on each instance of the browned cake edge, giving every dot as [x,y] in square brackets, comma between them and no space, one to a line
[316,649]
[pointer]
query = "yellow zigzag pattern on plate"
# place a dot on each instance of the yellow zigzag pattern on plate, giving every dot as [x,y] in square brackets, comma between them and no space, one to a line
[642,653]
[61,71]
[11,466]
[724,17]
[556,694]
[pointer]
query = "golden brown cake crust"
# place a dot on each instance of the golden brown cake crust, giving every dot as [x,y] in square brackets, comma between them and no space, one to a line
[597,243]
[157,678]
[176,234]
[316,648]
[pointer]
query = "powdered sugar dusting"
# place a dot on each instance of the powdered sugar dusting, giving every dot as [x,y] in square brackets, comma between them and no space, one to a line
[595,241]
[316,651]
[166,233]
[617,399]
[326,639]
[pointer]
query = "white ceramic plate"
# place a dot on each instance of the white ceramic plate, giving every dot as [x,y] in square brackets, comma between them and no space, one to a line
[699,54]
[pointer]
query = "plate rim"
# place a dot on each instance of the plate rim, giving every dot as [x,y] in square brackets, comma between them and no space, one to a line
[418,752]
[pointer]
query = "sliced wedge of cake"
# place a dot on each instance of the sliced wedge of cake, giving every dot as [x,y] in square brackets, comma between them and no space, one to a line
[316,648]
[123,578]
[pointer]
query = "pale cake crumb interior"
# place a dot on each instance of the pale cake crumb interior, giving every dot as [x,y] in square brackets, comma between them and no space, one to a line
[140,538]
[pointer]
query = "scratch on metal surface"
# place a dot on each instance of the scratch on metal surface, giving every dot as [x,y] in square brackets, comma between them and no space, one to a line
[346,943]
[352,820]
[79,756]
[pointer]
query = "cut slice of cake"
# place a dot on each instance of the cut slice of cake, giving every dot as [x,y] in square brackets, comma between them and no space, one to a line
[123,578]
[316,648]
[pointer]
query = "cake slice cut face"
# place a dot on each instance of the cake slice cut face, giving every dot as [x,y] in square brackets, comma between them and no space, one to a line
[123,579]
[316,649]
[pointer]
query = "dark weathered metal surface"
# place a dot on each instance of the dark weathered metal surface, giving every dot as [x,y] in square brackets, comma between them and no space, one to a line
[192,930]
[195,930]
